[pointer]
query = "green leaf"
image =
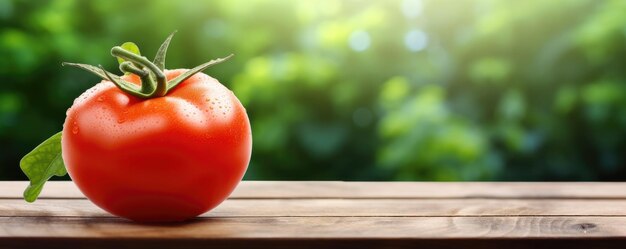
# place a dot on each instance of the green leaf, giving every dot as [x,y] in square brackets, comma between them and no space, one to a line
[174,82]
[159,59]
[92,69]
[42,163]
[131,47]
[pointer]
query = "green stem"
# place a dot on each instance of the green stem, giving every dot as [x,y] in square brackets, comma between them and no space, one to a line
[129,67]
[147,83]
[123,85]
[161,83]
[153,81]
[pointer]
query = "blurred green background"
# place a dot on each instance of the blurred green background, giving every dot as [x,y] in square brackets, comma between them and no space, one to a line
[355,90]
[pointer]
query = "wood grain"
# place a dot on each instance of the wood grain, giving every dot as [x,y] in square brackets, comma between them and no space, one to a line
[319,227]
[314,243]
[377,190]
[337,215]
[345,208]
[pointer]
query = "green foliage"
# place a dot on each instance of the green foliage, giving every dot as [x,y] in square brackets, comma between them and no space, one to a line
[355,90]
[130,46]
[39,165]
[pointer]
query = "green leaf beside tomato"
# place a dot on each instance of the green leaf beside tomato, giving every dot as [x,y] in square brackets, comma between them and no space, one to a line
[42,163]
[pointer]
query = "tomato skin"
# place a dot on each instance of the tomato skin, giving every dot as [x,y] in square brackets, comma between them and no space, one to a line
[168,158]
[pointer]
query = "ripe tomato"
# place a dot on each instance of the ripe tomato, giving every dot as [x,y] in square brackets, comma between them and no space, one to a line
[167,158]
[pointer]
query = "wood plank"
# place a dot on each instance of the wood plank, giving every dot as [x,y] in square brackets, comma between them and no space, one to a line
[365,190]
[318,228]
[312,243]
[338,215]
[345,208]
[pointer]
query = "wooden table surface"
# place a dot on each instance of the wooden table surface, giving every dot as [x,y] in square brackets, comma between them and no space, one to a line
[337,215]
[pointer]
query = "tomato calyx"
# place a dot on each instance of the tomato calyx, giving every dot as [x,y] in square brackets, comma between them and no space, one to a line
[153,81]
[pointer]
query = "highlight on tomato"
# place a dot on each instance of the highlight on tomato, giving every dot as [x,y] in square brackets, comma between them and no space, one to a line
[152,145]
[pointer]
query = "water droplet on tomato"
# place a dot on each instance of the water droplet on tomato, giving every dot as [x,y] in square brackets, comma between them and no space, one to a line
[75,129]
[100,99]
[121,120]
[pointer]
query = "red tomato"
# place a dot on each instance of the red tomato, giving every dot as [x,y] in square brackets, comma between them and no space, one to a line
[168,158]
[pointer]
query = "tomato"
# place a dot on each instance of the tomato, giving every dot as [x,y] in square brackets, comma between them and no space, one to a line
[153,145]
[166,158]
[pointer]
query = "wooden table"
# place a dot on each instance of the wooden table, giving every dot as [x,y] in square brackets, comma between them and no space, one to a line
[337,215]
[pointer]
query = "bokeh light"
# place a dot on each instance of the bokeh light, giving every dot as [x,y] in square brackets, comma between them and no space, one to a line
[354,90]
